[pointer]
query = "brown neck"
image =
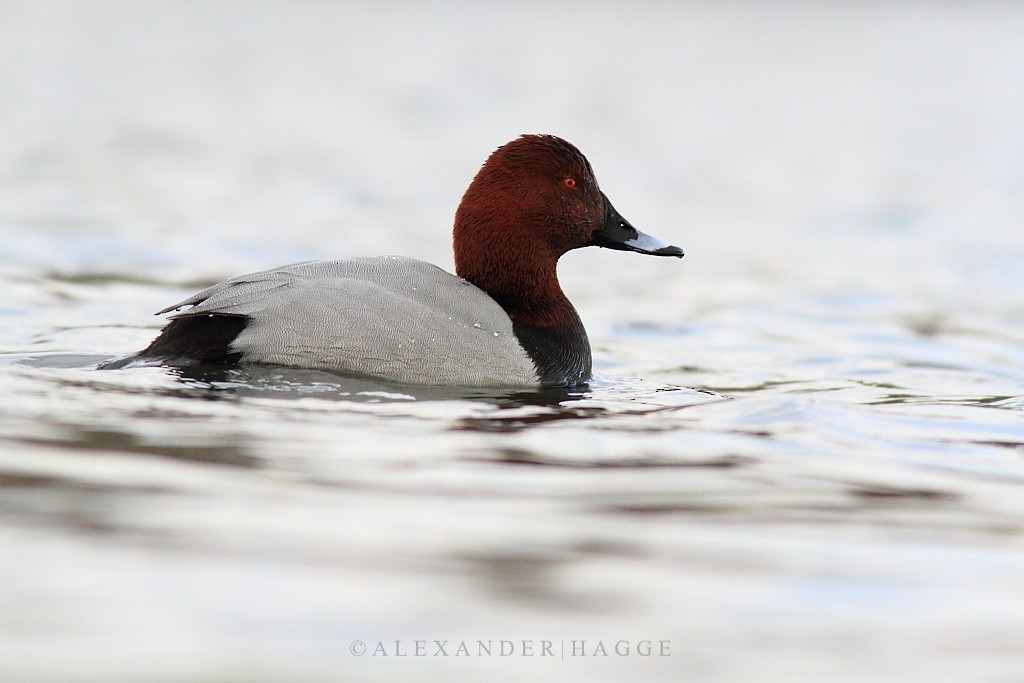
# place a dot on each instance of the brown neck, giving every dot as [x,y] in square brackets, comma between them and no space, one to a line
[525,285]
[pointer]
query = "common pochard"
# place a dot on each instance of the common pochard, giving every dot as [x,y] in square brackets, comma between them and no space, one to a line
[502,320]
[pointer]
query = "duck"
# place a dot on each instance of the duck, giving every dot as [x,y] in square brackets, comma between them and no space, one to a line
[501,320]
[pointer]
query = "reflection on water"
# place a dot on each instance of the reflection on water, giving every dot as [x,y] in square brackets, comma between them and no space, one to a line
[297,383]
[803,458]
[326,509]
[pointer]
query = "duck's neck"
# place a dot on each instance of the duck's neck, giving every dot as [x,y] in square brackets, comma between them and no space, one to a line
[526,286]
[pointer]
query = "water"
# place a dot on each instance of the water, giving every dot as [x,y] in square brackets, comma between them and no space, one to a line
[803,458]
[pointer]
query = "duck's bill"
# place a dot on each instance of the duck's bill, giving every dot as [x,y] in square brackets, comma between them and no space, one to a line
[617,233]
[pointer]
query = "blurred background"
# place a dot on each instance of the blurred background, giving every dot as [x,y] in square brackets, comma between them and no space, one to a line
[846,180]
[326,127]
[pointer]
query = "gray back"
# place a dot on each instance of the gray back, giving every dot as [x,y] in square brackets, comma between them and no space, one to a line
[387,316]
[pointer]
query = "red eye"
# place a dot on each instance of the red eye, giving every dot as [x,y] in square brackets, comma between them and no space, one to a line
[569,182]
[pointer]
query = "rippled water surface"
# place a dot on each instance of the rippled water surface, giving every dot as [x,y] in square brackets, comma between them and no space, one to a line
[803,458]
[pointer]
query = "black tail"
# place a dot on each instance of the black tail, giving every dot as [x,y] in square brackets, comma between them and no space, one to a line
[191,340]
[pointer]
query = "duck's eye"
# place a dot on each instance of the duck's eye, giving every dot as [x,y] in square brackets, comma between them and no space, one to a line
[569,182]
